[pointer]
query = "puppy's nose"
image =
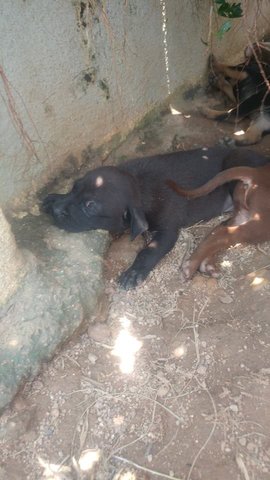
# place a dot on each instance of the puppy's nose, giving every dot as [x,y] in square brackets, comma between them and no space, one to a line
[60,211]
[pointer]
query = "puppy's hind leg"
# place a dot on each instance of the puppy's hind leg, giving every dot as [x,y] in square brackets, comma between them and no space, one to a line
[221,238]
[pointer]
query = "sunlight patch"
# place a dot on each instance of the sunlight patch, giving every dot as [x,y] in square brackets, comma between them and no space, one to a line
[239,132]
[126,346]
[180,351]
[127,476]
[226,263]
[99,181]
[88,459]
[165,43]
[257,281]
[174,111]
[52,470]
[232,229]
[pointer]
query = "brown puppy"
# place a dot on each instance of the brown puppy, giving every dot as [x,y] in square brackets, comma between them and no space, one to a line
[249,224]
[247,86]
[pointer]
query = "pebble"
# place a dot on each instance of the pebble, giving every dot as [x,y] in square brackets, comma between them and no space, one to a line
[234,408]
[243,441]
[201,370]
[252,447]
[92,358]
[55,412]
[163,391]
[99,332]
[149,458]
[226,299]
[211,284]
[16,427]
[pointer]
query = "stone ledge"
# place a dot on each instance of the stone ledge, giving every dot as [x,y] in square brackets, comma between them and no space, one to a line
[59,291]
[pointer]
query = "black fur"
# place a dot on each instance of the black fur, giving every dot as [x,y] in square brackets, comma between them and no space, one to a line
[135,196]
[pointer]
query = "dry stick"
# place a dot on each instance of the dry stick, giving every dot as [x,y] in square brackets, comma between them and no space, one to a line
[168,444]
[209,39]
[211,432]
[253,271]
[15,116]
[148,470]
[196,336]
[242,467]
[136,439]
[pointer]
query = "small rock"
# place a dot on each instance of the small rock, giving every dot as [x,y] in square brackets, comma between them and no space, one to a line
[16,427]
[149,458]
[234,408]
[242,441]
[55,412]
[201,370]
[211,284]
[37,385]
[226,299]
[252,447]
[99,332]
[92,358]
[163,391]
[198,281]
[19,404]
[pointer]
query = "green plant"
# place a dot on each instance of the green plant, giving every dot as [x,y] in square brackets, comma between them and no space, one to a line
[227,10]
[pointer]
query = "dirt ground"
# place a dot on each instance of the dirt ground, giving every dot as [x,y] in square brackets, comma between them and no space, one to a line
[172,380]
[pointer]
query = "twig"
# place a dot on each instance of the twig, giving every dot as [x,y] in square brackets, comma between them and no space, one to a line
[136,439]
[168,444]
[148,470]
[242,467]
[211,432]
[17,122]
[196,336]
[254,271]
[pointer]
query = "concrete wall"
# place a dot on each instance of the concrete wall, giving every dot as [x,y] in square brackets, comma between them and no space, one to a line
[75,73]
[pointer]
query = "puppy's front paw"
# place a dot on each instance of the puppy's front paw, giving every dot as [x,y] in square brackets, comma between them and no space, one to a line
[131,278]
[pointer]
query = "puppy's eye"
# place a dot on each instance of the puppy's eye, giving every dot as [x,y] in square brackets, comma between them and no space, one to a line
[91,207]
[89,203]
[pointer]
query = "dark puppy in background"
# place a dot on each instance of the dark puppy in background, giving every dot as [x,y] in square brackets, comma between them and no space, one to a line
[247,86]
[134,196]
[249,224]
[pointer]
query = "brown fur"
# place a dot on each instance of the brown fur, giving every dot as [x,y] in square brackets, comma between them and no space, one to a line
[250,223]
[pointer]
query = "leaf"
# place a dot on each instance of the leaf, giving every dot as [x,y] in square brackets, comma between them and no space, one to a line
[225,27]
[229,10]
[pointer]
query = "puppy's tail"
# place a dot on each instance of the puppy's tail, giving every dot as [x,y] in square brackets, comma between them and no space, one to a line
[245,174]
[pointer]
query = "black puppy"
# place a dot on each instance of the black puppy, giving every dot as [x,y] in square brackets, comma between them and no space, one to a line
[134,195]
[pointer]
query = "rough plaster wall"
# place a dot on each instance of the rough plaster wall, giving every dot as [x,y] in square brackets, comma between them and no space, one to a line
[73,74]
[11,261]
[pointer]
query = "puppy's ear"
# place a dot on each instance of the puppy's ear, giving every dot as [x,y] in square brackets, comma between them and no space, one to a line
[138,222]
